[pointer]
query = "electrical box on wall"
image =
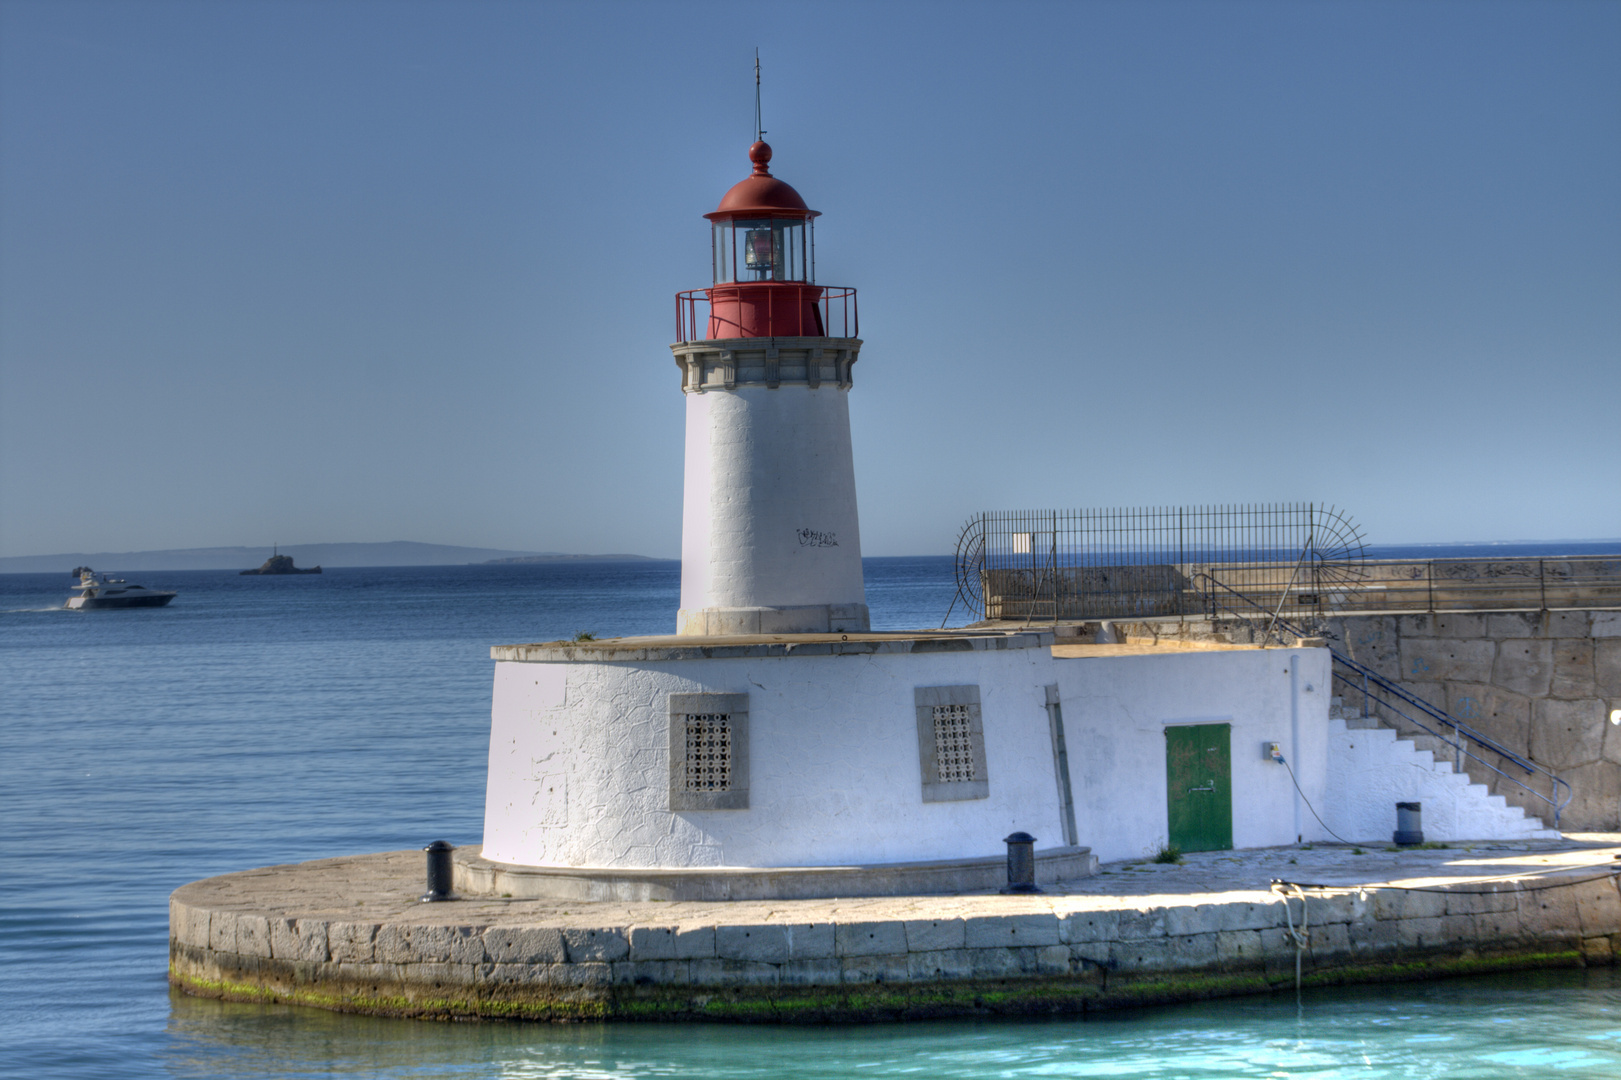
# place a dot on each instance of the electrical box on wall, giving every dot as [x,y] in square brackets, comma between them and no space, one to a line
[1272,751]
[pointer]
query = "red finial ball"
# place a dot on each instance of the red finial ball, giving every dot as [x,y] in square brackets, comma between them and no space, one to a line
[760,154]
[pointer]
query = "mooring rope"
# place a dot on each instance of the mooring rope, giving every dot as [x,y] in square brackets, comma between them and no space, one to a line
[1302,937]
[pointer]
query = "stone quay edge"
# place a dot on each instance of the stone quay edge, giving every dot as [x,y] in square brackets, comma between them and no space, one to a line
[349,934]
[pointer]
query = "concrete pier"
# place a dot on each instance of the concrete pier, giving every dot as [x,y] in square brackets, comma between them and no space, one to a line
[349,934]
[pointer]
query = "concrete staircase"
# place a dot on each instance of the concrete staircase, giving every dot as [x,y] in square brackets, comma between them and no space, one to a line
[1371,768]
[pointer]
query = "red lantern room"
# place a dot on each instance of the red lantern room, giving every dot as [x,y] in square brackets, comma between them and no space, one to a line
[764,252]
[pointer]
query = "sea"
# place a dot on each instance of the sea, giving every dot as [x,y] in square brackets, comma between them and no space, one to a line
[262,720]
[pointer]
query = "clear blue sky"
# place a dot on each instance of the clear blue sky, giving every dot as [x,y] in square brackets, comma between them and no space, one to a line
[373,271]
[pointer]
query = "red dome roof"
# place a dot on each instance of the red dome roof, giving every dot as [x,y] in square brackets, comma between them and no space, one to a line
[761,195]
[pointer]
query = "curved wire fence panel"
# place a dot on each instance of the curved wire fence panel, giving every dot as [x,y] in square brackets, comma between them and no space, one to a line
[1149,562]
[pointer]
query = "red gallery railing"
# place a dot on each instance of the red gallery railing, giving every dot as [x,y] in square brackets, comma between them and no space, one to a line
[781,317]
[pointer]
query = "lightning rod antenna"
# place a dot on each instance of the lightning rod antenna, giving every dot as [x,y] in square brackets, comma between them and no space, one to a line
[759,132]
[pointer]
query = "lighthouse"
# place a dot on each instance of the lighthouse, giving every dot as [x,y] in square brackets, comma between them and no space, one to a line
[776,747]
[770,540]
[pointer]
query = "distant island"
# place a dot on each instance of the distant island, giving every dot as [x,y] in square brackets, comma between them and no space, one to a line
[282,564]
[569,558]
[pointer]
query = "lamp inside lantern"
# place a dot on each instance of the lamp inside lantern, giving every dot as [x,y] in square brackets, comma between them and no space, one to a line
[760,250]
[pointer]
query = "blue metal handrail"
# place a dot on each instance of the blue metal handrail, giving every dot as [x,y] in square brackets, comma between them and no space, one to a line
[1461,731]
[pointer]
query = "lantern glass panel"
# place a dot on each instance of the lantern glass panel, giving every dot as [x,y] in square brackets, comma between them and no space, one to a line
[723,251]
[769,249]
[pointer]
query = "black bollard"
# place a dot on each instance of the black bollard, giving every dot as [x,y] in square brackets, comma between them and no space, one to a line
[439,872]
[1409,825]
[1021,863]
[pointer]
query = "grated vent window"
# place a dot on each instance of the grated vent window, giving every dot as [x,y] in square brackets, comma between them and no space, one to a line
[953,744]
[950,743]
[709,753]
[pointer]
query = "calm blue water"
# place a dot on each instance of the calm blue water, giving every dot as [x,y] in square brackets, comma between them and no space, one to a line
[266,720]
[1519,549]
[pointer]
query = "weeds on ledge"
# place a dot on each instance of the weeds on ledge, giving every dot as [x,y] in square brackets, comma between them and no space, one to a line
[585,635]
[1168,853]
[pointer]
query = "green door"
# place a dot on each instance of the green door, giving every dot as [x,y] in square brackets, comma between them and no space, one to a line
[1199,787]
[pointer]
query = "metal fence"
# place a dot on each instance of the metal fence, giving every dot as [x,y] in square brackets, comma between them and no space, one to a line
[1294,560]
[1148,562]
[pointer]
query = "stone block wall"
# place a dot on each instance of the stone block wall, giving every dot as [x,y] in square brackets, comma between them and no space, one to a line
[1541,684]
[1068,958]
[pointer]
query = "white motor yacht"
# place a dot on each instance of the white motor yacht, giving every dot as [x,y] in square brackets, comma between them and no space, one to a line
[96,591]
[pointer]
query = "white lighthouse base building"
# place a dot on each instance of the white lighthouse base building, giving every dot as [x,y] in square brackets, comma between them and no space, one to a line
[804,751]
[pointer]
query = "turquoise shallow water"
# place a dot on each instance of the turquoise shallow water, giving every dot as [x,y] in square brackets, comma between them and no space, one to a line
[1552,1024]
[266,720]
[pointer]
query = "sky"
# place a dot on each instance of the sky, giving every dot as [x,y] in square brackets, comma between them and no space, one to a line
[353,271]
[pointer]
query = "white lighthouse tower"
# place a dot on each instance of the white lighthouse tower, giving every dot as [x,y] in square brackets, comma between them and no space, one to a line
[770,541]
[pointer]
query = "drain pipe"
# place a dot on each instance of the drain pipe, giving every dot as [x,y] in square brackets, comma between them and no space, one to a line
[1294,733]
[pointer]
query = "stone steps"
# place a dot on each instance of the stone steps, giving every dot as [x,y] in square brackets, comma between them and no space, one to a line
[1442,752]
[1372,768]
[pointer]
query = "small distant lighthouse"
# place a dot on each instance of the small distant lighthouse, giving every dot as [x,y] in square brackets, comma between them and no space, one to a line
[770,542]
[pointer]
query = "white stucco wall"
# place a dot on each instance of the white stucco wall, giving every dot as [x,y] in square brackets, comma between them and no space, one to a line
[1116,709]
[769,510]
[579,762]
[579,755]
